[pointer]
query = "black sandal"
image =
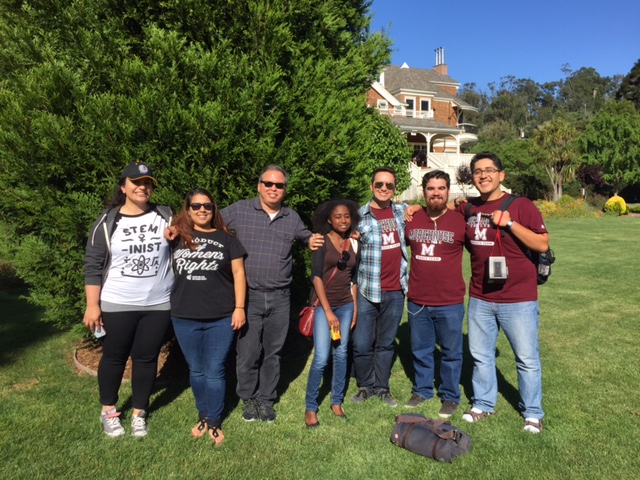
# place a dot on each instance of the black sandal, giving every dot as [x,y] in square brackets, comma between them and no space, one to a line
[200,429]
[216,435]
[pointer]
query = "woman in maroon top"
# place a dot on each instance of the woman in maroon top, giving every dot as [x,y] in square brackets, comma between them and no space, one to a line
[337,312]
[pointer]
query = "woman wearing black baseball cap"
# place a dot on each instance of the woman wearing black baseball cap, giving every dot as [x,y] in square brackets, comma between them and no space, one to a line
[128,282]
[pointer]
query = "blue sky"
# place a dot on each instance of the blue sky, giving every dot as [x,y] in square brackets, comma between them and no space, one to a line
[487,40]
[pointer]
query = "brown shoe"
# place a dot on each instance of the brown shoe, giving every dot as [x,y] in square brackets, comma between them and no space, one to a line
[311,419]
[338,411]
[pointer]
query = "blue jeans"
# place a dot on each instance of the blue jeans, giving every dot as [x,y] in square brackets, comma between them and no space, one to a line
[259,345]
[323,346]
[374,338]
[519,321]
[205,346]
[444,326]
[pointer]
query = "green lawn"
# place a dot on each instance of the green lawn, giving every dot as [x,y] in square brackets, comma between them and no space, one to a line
[49,425]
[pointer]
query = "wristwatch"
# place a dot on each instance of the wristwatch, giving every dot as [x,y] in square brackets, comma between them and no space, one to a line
[509,224]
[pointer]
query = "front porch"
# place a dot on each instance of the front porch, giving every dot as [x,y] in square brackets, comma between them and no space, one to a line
[447,162]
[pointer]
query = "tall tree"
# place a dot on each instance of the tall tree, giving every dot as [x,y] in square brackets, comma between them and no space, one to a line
[556,142]
[584,91]
[524,174]
[206,92]
[630,86]
[612,140]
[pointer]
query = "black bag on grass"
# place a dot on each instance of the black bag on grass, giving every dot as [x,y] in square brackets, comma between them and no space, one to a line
[436,439]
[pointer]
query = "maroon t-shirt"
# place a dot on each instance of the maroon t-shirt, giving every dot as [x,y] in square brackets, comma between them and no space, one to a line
[522,283]
[435,277]
[391,253]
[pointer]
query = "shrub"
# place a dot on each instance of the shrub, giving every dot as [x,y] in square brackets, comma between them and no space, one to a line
[616,204]
[546,207]
[566,207]
[634,209]
[597,201]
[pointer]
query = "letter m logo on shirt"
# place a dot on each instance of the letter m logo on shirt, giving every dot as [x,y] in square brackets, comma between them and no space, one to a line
[481,234]
[388,238]
[427,250]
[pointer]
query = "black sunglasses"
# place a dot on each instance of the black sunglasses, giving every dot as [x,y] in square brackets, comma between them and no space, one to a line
[342,263]
[197,206]
[390,186]
[278,185]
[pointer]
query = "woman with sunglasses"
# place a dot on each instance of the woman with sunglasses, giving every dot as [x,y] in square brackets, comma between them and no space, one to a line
[207,303]
[333,270]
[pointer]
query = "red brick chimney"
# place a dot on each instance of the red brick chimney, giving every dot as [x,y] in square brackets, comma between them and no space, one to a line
[440,66]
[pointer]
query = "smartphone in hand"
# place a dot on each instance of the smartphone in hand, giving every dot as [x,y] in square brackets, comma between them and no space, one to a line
[99,332]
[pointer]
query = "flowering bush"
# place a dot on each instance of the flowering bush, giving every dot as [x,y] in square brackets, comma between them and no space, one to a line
[616,204]
[566,207]
[546,207]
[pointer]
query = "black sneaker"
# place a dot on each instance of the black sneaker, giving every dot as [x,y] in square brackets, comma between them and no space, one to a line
[414,401]
[250,410]
[362,396]
[386,397]
[447,409]
[267,413]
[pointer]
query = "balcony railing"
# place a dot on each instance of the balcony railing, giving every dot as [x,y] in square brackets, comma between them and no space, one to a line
[468,128]
[403,112]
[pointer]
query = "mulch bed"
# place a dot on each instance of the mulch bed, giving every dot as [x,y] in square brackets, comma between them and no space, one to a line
[171,363]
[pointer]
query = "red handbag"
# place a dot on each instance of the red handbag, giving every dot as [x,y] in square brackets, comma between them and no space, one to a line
[308,313]
[307,317]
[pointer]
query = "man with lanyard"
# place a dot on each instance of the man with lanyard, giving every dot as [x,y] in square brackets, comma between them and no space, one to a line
[498,301]
[267,230]
[382,283]
[436,293]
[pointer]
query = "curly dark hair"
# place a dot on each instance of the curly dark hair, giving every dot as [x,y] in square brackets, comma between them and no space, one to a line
[184,224]
[323,213]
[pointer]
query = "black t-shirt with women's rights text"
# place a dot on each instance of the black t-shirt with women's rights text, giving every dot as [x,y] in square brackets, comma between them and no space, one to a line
[204,288]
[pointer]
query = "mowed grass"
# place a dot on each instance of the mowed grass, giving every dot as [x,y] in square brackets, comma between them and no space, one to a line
[49,425]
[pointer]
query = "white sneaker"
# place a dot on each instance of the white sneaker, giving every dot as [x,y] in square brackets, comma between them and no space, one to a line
[111,423]
[139,424]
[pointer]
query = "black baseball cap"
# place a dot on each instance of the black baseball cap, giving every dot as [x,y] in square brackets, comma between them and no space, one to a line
[137,170]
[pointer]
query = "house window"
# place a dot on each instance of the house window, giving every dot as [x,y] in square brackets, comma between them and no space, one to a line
[424,105]
[382,104]
[410,106]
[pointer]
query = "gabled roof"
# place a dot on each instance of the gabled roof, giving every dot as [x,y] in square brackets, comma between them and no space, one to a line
[396,78]
[384,93]
[420,80]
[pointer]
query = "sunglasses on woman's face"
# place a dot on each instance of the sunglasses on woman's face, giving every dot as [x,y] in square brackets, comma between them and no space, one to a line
[197,206]
[342,263]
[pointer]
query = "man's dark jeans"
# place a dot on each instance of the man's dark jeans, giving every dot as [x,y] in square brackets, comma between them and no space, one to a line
[260,343]
[374,339]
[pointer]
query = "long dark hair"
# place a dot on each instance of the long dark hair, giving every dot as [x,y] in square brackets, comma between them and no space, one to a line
[118,198]
[184,224]
[323,213]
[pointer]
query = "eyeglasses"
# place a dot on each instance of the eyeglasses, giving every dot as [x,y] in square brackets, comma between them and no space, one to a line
[342,263]
[278,185]
[390,186]
[490,171]
[197,206]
